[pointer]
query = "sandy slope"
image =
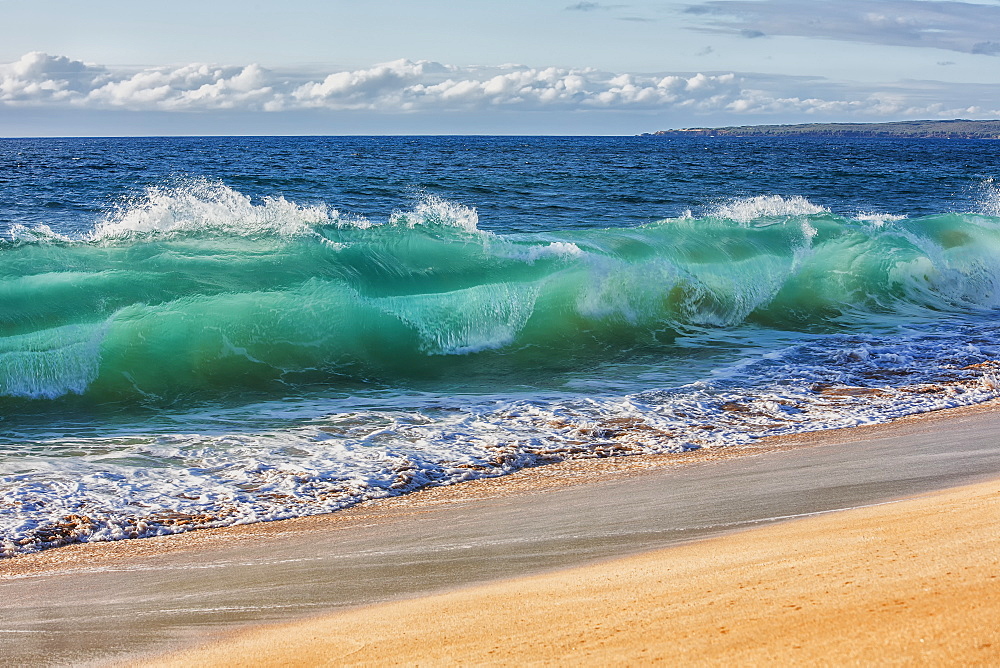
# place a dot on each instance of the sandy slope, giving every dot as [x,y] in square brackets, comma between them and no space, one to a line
[917,581]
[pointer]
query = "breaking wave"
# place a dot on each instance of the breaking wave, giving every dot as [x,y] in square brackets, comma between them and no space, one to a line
[196,288]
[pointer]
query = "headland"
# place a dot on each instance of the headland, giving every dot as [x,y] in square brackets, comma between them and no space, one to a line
[950,129]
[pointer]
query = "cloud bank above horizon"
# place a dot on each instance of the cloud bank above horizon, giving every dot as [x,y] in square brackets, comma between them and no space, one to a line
[583,67]
[40,80]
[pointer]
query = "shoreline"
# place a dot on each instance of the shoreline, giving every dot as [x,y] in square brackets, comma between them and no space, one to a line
[529,480]
[537,520]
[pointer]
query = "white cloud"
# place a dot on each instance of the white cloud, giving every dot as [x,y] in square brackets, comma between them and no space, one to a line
[401,85]
[404,86]
[39,76]
[188,87]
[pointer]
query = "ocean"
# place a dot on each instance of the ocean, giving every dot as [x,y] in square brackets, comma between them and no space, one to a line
[198,332]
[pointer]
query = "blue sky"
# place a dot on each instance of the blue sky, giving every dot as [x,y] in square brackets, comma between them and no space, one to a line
[549,67]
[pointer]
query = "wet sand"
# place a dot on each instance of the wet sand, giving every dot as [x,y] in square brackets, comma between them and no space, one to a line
[101,602]
[915,582]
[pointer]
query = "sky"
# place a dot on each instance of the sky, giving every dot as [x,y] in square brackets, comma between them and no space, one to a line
[109,67]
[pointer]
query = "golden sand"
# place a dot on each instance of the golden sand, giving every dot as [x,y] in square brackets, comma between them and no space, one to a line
[916,582]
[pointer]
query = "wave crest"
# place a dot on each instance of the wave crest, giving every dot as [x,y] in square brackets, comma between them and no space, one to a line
[203,206]
[747,209]
[433,211]
[204,289]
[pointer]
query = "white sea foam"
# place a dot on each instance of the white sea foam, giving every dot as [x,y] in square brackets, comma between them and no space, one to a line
[555,249]
[877,220]
[202,206]
[748,209]
[39,233]
[435,211]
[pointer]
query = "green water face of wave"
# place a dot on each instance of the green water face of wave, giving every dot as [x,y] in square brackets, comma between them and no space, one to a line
[201,310]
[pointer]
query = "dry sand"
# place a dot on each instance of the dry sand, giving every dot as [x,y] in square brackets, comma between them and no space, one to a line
[911,582]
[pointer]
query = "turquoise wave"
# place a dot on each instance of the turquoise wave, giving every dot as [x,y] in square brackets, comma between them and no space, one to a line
[193,293]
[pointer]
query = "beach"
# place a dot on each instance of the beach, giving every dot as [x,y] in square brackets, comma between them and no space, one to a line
[916,582]
[128,601]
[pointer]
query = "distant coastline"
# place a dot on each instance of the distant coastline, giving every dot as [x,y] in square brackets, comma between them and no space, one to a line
[953,129]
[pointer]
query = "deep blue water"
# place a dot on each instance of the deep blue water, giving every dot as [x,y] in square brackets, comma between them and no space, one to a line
[516,183]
